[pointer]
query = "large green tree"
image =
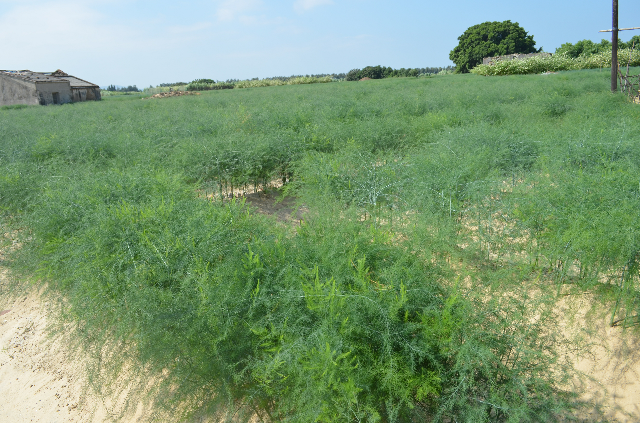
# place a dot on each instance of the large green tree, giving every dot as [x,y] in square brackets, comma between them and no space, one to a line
[490,39]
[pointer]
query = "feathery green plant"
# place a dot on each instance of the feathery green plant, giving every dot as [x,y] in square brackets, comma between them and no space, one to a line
[444,215]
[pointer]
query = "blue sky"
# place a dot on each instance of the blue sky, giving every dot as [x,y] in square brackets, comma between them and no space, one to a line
[126,42]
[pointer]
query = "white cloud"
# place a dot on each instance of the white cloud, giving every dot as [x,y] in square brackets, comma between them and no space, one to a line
[304,5]
[73,36]
[231,9]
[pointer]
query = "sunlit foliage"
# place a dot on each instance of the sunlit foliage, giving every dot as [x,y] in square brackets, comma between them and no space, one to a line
[442,217]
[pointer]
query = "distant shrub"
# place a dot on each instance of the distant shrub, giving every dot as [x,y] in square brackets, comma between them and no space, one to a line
[172,84]
[309,80]
[380,72]
[203,85]
[586,48]
[583,48]
[353,75]
[253,83]
[203,81]
[159,89]
[633,42]
[206,86]
[448,71]
[372,72]
[130,88]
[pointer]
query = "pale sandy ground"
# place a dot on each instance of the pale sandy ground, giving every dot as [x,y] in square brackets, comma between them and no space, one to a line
[39,381]
[612,364]
[42,379]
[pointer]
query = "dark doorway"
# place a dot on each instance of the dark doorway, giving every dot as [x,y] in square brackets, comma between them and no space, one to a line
[56,98]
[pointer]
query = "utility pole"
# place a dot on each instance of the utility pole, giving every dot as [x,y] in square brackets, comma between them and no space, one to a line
[614,45]
[614,48]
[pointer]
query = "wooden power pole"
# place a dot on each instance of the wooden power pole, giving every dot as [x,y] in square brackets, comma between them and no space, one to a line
[614,48]
[614,45]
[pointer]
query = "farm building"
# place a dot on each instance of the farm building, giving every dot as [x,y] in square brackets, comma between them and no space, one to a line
[27,87]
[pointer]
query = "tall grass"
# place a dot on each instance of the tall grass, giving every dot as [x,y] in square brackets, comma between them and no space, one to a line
[444,216]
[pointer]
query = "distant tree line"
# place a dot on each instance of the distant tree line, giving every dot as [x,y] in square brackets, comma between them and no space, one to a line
[373,72]
[287,78]
[273,78]
[380,72]
[505,31]
[130,88]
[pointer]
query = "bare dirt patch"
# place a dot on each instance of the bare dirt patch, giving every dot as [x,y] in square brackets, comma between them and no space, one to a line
[270,203]
[267,200]
[38,381]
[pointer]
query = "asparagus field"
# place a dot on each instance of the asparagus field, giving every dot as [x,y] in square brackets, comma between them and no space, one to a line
[436,223]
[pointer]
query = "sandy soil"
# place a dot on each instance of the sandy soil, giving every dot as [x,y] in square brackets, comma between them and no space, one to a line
[41,378]
[611,365]
[284,211]
[39,381]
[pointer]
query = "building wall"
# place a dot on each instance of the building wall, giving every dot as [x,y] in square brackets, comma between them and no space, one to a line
[86,93]
[17,91]
[46,90]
